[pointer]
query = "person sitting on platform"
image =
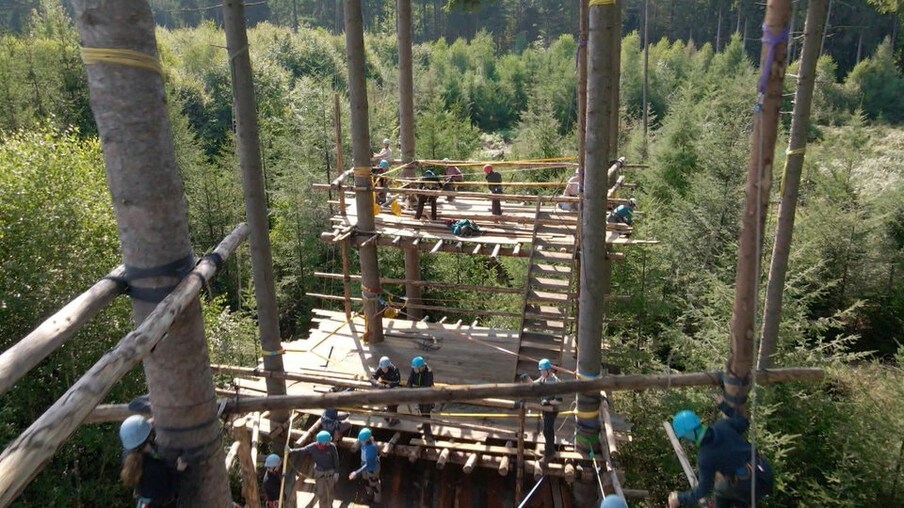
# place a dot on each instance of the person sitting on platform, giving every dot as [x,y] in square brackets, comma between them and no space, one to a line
[326,466]
[370,466]
[550,407]
[572,190]
[494,182]
[723,459]
[384,153]
[387,375]
[453,175]
[335,422]
[422,377]
[429,181]
[623,214]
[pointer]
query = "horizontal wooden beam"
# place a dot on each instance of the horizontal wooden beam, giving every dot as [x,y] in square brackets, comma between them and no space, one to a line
[514,390]
[25,456]
[557,198]
[426,283]
[24,355]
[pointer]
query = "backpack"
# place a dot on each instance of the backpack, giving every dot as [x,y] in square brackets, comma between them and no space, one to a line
[464,227]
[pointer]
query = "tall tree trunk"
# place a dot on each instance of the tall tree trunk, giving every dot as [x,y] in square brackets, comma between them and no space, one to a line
[646,74]
[406,124]
[825,29]
[759,179]
[603,29]
[791,24]
[613,76]
[582,81]
[152,219]
[249,154]
[797,144]
[357,88]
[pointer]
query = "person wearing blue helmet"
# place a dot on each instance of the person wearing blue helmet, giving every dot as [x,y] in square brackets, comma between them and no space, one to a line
[723,460]
[613,501]
[335,422]
[422,377]
[387,376]
[550,407]
[370,466]
[155,480]
[271,485]
[326,465]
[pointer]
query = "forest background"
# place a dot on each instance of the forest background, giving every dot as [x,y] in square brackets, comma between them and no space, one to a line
[498,80]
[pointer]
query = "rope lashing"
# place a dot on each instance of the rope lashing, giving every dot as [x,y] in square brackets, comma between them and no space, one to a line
[278,352]
[127,57]
[771,40]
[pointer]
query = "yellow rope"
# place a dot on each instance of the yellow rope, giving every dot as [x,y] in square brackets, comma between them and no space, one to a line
[127,57]
[601,2]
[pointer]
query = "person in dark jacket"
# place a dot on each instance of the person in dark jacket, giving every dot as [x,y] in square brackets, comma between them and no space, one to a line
[723,460]
[326,466]
[155,481]
[429,181]
[422,377]
[623,214]
[271,485]
[550,407]
[387,376]
[335,422]
[494,182]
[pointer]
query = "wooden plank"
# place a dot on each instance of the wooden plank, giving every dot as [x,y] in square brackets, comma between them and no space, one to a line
[438,246]
[476,249]
[682,457]
[495,253]
[484,449]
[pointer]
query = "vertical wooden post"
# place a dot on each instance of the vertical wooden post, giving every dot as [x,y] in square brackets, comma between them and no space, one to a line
[246,463]
[152,219]
[340,167]
[603,29]
[582,81]
[797,144]
[370,269]
[613,76]
[759,179]
[249,151]
[346,279]
[519,474]
[646,70]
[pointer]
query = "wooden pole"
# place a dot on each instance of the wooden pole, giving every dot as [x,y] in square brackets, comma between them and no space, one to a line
[246,464]
[128,100]
[582,82]
[370,269]
[406,80]
[614,78]
[759,179]
[591,301]
[646,70]
[346,280]
[512,390]
[24,355]
[797,144]
[249,152]
[24,457]
[340,167]
[519,475]
[682,457]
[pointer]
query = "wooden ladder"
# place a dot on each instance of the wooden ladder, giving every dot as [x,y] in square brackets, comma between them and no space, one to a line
[549,297]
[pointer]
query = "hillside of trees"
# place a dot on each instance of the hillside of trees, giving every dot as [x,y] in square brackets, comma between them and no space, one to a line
[486,82]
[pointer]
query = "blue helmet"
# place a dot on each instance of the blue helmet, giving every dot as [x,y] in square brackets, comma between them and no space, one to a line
[384,163]
[385,362]
[418,362]
[364,434]
[272,460]
[613,501]
[685,423]
[324,437]
[134,431]
[331,413]
[544,364]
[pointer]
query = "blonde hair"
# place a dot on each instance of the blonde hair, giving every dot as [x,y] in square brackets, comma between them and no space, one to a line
[131,468]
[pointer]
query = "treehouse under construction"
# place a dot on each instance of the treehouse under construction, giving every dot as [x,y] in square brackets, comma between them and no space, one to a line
[485,447]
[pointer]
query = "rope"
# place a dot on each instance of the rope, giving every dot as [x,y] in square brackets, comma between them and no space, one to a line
[531,493]
[127,57]
[596,469]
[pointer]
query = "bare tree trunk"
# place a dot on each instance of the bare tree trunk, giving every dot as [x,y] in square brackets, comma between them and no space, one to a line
[797,144]
[613,76]
[406,123]
[357,87]
[249,152]
[759,179]
[825,29]
[582,81]
[152,219]
[792,41]
[603,29]
[646,74]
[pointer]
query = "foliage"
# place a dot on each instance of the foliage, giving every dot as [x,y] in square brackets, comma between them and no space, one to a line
[876,83]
